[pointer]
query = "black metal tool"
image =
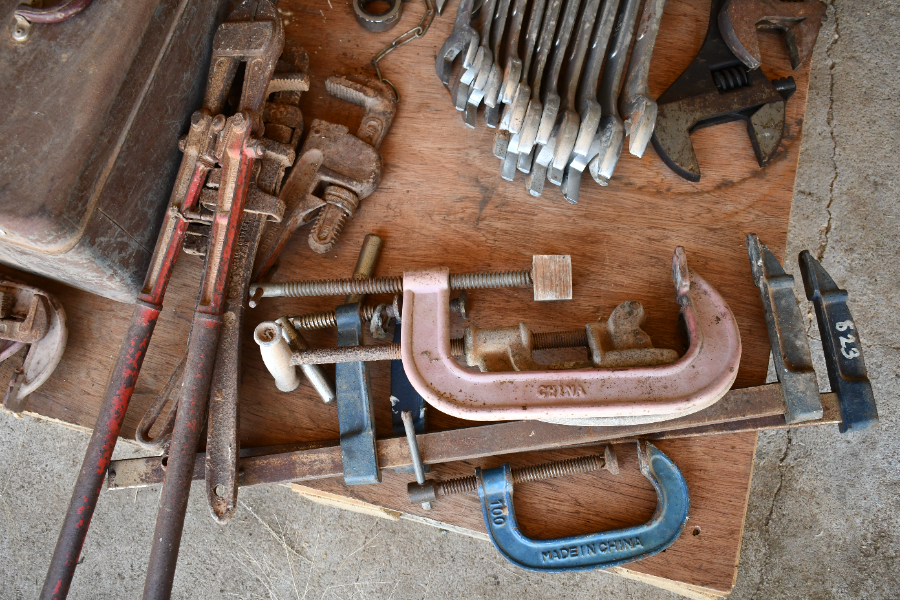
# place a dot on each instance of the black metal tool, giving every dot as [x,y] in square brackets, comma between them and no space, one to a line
[843,350]
[787,335]
[717,88]
[354,404]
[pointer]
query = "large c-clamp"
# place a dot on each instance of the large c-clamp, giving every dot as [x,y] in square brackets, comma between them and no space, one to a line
[605,395]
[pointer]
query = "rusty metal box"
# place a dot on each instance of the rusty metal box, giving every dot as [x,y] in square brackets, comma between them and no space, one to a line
[91,110]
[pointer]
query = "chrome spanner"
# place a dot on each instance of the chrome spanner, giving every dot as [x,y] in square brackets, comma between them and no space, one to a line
[635,103]
[529,128]
[514,113]
[513,70]
[612,129]
[475,77]
[567,131]
[495,79]
[548,124]
[588,107]
[463,39]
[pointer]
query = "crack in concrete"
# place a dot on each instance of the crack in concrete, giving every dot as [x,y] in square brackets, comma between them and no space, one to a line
[781,468]
[820,251]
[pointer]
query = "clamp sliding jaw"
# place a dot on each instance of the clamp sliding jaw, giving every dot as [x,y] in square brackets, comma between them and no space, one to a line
[606,396]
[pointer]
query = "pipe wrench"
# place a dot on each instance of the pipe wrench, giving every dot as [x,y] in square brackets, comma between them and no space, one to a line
[252,34]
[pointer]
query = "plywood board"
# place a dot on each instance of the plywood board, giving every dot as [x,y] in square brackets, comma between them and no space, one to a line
[442,202]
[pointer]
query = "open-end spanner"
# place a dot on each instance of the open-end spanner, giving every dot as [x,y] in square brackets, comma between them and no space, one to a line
[463,39]
[550,96]
[635,103]
[799,21]
[717,88]
[512,73]
[495,78]
[586,144]
[612,129]
[514,113]
[549,126]
[570,124]
[522,148]
[474,78]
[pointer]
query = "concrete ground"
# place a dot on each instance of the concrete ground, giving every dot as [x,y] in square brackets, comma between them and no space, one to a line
[824,514]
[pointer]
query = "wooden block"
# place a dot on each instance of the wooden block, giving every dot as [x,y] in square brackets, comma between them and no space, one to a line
[552,276]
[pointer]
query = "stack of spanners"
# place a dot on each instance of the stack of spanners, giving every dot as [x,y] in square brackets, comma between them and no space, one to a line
[576,85]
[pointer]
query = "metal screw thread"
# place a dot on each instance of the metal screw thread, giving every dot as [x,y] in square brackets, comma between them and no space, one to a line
[559,339]
[572,466]
[6,301]
[461,485]
[458,346]
[561,468]
[391,285]
[338,287]
[482,280]
[327,230]
[327,318]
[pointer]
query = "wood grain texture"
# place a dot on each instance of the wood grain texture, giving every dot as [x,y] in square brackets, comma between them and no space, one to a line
[441,202]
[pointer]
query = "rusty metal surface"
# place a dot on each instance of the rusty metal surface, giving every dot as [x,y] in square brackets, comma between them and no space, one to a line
[32,318]
[58,12]
[222,446]
[78,226]
[799,21]
[717,88]
[742,408]
[99,451]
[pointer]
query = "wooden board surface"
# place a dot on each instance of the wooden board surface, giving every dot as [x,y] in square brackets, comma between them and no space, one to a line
[442,202]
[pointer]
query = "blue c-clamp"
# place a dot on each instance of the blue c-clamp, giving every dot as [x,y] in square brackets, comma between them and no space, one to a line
[591,551]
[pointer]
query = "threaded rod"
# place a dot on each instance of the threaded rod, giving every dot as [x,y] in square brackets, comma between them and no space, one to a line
[572,466]
[387,285]
[323,356]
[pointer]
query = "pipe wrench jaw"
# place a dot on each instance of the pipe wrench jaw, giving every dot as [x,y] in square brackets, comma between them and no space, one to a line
[591,551]
[253,33]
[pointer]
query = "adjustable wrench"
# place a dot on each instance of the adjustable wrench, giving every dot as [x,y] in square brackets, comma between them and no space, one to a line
[253,34]
[567,130]
[586,147]
[635,103]
[717,88]
[799,21]
[548,126]
[612,129]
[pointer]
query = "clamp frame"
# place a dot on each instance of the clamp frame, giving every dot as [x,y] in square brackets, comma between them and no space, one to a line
[624,396]
[591,551]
